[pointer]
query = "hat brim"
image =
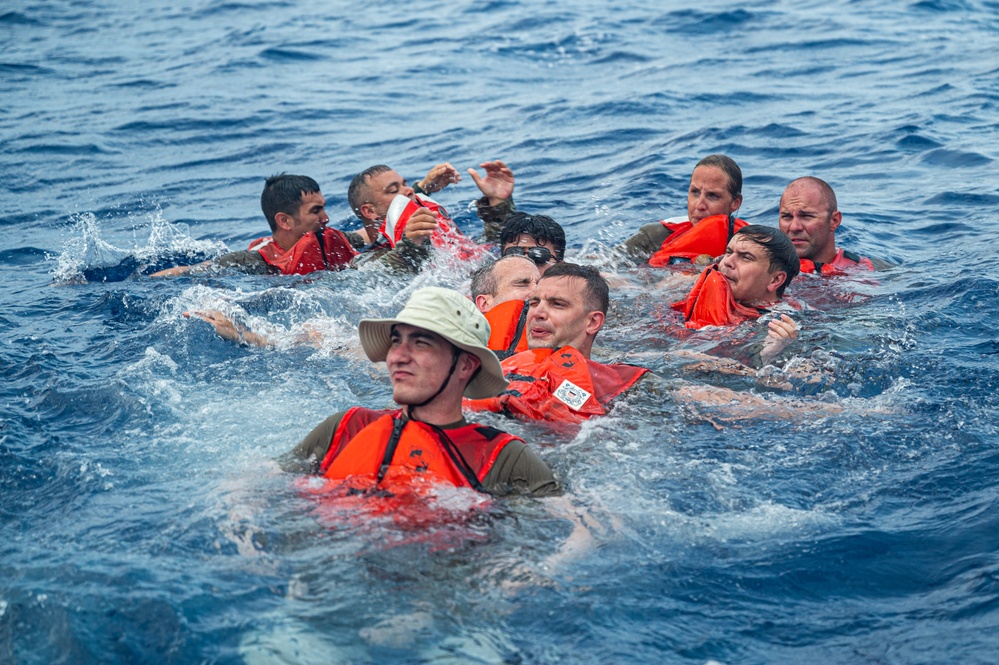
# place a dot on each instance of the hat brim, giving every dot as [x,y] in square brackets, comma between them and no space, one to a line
[376,338]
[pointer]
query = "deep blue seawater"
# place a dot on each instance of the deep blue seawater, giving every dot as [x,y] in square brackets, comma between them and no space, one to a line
[142,517]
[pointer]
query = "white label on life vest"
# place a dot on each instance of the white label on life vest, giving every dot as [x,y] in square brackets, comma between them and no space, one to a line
[572,395]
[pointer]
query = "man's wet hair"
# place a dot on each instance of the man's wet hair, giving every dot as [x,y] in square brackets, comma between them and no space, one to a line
[355,191]
[283,193]
[828,195]
[729,168]
[779,249]
[540,227]
[597,290]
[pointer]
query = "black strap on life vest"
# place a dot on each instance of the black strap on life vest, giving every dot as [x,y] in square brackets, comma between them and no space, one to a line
[853,256]
[731,226]
[390,447]
[459,460]
[322,248]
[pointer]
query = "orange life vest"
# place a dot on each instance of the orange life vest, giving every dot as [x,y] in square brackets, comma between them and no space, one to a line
[421,486]
[710,303]
[558,385]
[421,455]
[447,237]
[688,241]
[507,328]
[329,250]
[842,262]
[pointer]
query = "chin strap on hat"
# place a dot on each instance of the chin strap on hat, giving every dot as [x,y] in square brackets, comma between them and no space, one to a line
[455,354]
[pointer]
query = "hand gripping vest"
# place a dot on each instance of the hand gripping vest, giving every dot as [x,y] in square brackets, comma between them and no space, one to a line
[688,241]
[447,237]
[382,452]
[507,327]
[558,385]
[842,262]
[329,250]
[710,303]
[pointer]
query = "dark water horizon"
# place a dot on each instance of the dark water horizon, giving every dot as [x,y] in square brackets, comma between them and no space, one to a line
[142,516]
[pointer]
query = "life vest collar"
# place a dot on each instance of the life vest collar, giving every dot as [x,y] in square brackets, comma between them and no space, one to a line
[710,237]
[328,249]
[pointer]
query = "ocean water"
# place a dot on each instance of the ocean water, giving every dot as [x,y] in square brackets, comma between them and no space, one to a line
[142,515]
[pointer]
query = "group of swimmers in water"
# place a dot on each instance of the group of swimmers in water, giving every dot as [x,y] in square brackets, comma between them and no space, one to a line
[520,343]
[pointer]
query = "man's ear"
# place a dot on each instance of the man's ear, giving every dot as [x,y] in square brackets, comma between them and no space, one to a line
[776,279]
[283,221]
[834,220]
[368,212]
[470,362]
[484,302]
[594,322]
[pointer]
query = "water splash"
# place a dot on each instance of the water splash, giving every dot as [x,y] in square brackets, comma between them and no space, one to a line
[87,257]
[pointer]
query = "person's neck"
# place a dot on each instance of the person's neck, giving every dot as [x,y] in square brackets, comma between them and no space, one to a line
[370,229]
[827,255]
[437,412]
[762,303]
[285,240]
[583,348]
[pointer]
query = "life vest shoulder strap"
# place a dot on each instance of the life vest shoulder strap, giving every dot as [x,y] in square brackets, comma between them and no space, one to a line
[352,422]
[852,256]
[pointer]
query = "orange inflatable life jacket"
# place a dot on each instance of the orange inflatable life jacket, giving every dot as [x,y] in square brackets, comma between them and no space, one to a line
[841,263]
[710,303]
[329,250]
[447,236]
[558,385]
[688,241]
[507,328]
[384,452]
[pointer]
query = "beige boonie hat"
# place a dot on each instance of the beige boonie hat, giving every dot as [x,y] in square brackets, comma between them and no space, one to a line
[453,317]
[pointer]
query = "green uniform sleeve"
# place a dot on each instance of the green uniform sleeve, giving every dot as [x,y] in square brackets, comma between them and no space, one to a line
[246,261]
[493,217]
[406,256]
[355,239]
[518,470]
[646,242]
[309,453]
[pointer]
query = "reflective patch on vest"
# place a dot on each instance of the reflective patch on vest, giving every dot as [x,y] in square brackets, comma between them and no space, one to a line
[572,395]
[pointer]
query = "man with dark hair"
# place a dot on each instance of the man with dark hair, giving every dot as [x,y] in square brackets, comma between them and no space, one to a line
[500,289]
[538,237]
[809,216]
[555,379]
[435,351]
[713,196]
[758,265]
[300,242]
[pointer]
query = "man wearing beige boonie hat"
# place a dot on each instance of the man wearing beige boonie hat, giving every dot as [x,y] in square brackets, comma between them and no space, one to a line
[435,350]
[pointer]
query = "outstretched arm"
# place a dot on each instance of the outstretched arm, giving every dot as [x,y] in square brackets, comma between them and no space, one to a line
[182,270]
[230,330]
